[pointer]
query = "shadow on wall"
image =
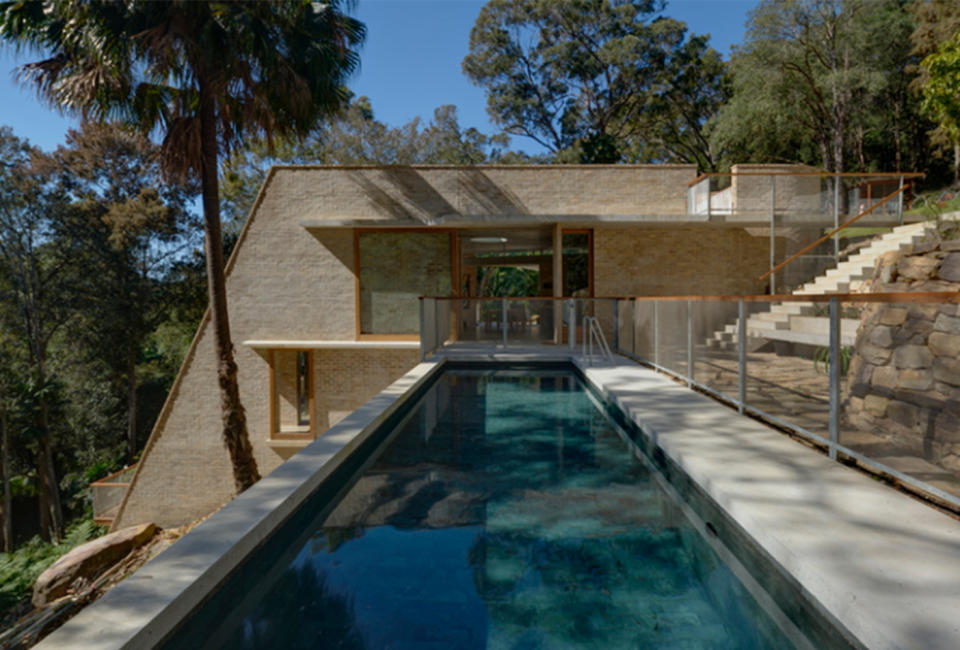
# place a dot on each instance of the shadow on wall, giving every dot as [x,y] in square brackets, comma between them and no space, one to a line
[408,195]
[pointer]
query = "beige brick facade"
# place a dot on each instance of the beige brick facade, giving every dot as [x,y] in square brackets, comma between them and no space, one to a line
[679,261]
[291,283]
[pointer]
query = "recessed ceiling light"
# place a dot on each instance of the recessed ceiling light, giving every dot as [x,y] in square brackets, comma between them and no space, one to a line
[489,240]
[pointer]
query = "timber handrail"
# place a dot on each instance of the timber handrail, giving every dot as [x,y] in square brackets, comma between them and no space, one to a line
[833,232]
[952,297]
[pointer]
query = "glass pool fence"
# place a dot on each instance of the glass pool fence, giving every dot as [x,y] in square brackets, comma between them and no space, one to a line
[873,379]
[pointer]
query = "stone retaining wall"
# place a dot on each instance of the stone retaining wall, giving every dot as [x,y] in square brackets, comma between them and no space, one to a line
[904,378]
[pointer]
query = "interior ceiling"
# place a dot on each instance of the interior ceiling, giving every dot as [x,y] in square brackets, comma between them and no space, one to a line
[518,239]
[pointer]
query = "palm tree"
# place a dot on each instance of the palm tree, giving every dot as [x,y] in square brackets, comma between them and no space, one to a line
[203,76]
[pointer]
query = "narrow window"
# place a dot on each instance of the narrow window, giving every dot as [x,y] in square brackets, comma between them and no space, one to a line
[303,389]
[291,393]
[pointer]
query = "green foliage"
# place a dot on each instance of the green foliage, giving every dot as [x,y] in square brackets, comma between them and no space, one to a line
[941,92]
[20,569]
[824,82]
[510,281]
[822,355]
[597,81]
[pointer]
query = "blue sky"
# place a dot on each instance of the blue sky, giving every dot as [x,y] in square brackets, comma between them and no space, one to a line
[409,65]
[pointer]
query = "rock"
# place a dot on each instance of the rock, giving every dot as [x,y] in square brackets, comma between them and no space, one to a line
[873,354]
[913,331]
[881,336]
[946,427]
[950,268]
[923,310]
[933,285]
[902,413]
[884,377]
[944,345]
[88,560]
[950,245]
[875,404]
[925,246]
[917,267]
[912,356]
[893,316]
[915,379]
[950,324]
[947,370]
[950,309]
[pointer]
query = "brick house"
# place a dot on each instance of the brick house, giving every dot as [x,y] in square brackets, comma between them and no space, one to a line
[323,287]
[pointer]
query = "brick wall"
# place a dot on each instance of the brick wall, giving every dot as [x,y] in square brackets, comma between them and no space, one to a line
[286,283]
[450,193]
[679,261]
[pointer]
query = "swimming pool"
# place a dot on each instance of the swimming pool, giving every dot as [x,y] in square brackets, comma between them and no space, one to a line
[503,509]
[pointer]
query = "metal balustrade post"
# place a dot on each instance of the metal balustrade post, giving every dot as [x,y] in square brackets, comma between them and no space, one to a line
[741,355]
[572,323]
[616,324]
[636,328]
[689,343]
[708,196]
[503,320]
[900,204]
[423,323]
[656,332]
[836,219]
[773,217]
[834,377]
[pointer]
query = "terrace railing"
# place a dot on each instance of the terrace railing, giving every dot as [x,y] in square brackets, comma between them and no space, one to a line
[795,206]
[108,492]
[872,379]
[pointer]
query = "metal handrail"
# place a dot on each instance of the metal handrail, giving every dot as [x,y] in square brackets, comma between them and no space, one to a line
[706,175]
[591,333]
[833,232]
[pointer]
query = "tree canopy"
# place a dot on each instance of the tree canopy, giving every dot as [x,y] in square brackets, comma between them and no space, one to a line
[596,81]
[206,76]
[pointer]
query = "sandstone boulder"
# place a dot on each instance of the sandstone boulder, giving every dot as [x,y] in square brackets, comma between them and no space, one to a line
[917,267]
[950,267]
[87,561]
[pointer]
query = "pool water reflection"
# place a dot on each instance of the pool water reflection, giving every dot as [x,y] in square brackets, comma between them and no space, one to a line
[506,512]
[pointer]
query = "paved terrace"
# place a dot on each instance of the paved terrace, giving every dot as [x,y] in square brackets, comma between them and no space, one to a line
[879,564]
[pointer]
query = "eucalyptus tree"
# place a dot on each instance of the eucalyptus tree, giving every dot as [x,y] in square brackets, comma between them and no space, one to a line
[31,293]
[823,82]
[936,22]
[597,80]
[941,92]
[125,228]
[204,76]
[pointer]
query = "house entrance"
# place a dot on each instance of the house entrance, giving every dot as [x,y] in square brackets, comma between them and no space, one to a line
[519,265]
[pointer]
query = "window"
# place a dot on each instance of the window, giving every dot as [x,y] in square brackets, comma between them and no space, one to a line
[291,393]
[577,263]
[395,268]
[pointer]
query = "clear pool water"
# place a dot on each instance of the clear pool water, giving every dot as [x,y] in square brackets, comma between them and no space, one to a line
[505,512]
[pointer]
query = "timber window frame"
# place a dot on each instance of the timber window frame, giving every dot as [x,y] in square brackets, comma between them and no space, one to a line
[292,412]
[360,334]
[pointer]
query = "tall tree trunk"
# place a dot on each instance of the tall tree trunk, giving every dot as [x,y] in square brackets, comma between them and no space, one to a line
[956,162]
[235,435]
[7,497]
[131,402]
[49,489]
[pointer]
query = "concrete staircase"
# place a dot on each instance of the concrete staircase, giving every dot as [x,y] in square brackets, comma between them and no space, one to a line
[806,322]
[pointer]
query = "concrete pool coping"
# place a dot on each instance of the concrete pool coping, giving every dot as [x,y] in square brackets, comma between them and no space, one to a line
[146,607]
[885,567]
